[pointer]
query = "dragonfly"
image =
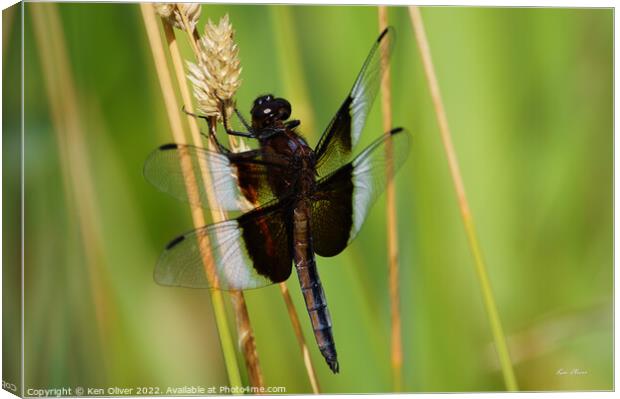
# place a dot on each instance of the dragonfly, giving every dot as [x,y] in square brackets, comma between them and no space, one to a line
[297,201]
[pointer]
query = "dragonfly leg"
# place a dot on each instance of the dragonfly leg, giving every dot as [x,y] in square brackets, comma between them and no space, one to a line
[293,124]
[206,118]
[213,138]
[243,121]
[248,135]
[240,134]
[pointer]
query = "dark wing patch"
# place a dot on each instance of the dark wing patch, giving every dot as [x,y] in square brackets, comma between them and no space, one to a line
[332,212]
[344,131]
[249,252]
[267,234]
[344,198]
[237,181]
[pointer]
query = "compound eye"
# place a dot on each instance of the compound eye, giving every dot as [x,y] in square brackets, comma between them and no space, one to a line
[262,111]
[283,108]
[263,99]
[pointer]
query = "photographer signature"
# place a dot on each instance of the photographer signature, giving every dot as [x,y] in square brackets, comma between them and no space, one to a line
[575,371]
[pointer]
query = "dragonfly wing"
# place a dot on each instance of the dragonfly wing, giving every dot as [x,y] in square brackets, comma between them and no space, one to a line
[344,130]
[251,251]
[235,181]
[344,198]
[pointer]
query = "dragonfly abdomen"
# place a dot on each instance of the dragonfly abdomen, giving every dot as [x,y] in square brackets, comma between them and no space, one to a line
[311,287]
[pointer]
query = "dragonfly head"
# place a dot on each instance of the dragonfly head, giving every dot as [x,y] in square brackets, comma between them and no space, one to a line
[270,112]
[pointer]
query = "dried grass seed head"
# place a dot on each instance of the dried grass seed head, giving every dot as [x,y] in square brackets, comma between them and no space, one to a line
[216,76]
[171,12]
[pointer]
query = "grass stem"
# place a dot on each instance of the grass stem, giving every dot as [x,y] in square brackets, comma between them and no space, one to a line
[247,341]
[173,111]
[468,220]
[246,335]
[314,382]
[392,231]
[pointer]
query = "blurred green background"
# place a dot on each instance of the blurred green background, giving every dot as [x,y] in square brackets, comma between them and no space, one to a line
[528,93]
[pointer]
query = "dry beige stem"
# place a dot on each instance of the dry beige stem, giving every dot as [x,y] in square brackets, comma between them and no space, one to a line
[499,338]
[189,176]
[247,341]
[392,231]
[171,12]
[216,76]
